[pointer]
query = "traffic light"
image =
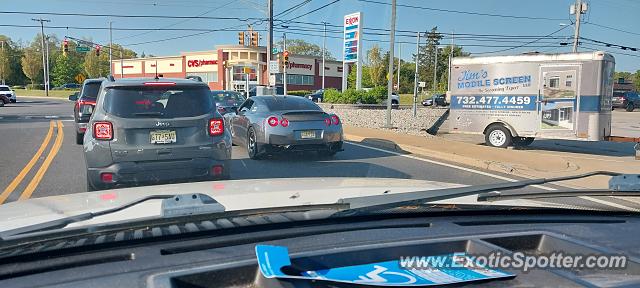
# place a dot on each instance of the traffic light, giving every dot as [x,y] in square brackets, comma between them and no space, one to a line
[286,58]
[241,38]
[255,38]
[97,50]
[65,47]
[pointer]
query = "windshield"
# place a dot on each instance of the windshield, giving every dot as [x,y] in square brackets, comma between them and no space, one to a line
[90,90]
[170,102]
[227,98]
[321,101]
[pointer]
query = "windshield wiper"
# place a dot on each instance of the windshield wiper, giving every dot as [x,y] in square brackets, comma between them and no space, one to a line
[367,204]
[148,114]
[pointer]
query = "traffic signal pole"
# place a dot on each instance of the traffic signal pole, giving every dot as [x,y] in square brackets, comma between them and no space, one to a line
[284,71]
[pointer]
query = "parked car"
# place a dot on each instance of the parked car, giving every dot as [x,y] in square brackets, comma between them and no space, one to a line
[316,96]
[84,106]
[67,86]
[6,91]
[438,99]
[271,124]
[4,100]
[626,100]
[152,131]
[227,101]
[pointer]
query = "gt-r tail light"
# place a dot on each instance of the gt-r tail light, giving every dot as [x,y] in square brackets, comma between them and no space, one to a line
[216,127]
[103,130]
[335,120]
[327,121]
[284,122]
[273,121]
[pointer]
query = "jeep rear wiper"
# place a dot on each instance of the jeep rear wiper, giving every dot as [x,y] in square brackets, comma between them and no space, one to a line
[367,204]
[148,114]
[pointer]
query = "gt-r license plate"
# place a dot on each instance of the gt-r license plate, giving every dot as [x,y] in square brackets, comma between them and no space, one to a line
[163,137]
[308,134]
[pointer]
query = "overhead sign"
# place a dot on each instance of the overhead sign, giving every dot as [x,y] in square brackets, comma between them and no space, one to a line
[82,49]
[352,35]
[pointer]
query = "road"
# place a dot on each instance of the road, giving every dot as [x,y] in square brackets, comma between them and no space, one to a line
[39,157]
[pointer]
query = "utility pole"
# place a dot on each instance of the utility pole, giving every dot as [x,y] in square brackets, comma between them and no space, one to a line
[47,57]
[284,71]
[399,65]
[121,66]
[2,64]
[577,9]
[435,69]
[415,78]
[269,38]
[110,48]
[324,50]
[392,41]
[450,58]
[44,56]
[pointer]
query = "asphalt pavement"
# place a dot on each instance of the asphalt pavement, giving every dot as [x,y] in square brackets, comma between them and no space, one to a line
[39,157]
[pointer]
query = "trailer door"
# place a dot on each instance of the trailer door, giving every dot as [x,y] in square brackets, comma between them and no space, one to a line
[558,100]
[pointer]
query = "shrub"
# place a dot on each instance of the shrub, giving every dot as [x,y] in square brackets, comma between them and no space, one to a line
[376,95]
[299,92]
[332,96]
[35,87]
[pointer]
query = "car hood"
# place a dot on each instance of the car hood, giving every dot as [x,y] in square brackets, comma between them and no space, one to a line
[232,194]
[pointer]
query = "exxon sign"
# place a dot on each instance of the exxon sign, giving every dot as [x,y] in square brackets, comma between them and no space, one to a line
[352,31]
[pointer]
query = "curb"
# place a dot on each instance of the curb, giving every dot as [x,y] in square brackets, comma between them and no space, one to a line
[515,169]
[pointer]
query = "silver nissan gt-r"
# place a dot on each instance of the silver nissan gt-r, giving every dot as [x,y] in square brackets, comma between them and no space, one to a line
[271,124]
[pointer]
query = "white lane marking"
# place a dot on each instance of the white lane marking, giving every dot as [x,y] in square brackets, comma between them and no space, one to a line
[612,204]
[51,117]
[448,165]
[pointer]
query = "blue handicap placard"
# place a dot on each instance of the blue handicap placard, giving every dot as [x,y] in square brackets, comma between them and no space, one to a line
[272,260]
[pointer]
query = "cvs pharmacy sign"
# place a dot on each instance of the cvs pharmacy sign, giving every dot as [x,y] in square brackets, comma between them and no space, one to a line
[201,62]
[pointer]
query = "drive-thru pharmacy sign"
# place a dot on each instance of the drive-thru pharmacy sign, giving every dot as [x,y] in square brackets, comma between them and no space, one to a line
[352,32]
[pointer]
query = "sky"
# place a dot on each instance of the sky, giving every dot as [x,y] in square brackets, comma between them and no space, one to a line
[621,16]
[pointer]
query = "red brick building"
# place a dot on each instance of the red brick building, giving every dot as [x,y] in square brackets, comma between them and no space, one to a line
[224,68]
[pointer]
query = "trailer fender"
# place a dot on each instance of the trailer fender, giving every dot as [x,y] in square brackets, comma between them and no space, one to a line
[513,131]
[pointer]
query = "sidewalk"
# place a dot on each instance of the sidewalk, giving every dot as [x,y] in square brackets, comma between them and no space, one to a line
[523,163]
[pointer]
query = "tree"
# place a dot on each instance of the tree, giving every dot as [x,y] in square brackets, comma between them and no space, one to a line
[302,47]
[376,65]
[7,59]
[636,80]
[427,56]
[98,66]
[443,65]
[32,64]
[92,65]
[65,70]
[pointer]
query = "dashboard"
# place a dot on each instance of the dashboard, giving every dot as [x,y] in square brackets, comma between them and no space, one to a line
[189,256]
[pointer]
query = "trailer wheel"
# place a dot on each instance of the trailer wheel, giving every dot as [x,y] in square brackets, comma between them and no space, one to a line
[498,136]
[522,141]
[630,107]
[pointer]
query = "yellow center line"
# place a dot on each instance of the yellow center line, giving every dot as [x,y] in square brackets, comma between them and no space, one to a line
[26,194]
[16,181]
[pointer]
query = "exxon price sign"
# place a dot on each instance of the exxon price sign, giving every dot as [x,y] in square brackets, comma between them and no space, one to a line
[352,32]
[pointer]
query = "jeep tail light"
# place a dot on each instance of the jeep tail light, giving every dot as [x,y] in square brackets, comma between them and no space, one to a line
[106,177]
[103,130]
[216,127]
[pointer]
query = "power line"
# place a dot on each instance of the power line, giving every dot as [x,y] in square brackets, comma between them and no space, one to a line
[177,23]
[611,52]
[612,28]
[465,12]
[117,29]
[292,8]
[314,10]
[525,44]
[130,16]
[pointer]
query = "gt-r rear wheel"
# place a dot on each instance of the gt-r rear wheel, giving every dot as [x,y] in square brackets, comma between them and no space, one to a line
[253,148]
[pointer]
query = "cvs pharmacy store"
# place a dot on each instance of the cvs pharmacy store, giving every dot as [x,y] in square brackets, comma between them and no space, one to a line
[225,67]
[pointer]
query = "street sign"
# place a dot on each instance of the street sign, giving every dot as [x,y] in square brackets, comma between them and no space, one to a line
[274,67]
[272,80]
[274,51]
[422,84]
[82,49]
[80,78]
